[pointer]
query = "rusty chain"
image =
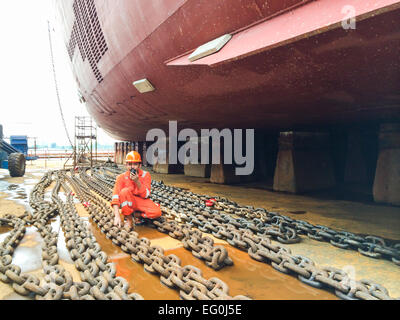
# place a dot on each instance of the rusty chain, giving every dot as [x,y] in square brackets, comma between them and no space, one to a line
[246,236]
[253,236]
[202,248]
[191,284]
[98,276]
[262,222]
[185,218]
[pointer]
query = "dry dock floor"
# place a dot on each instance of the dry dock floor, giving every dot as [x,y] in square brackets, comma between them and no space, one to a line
[247,276]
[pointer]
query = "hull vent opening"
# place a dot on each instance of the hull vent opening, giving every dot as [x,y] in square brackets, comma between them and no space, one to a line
[87,35]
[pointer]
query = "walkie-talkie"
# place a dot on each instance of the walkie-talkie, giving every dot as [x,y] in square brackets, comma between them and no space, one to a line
[133,171]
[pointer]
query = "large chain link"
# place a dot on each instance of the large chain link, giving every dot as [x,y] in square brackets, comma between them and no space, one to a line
[262,222]
[98,276]
[185,218]
[255,238]
[252,232]
[167,267]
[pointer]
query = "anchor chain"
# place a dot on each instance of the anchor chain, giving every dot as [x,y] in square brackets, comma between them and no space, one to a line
[247,236]
[98,277]
[185,210]
[262,222]
[186,218]
[191,284]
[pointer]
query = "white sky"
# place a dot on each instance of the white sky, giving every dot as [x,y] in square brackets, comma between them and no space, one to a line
[28,101]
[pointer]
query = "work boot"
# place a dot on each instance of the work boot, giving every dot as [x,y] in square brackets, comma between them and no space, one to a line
[139,221]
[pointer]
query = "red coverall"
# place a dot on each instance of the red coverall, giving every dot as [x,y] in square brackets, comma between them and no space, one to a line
[130,198]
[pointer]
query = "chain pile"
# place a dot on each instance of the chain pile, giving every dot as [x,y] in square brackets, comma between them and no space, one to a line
[201,247]
[23,283]
[188,205]
[185,218]
[188,279]
[185,210]
[255,238]
[98,276]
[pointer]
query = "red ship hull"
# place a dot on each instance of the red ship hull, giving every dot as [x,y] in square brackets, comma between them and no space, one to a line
[290,64]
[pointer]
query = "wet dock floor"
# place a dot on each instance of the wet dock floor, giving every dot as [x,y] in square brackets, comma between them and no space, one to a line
[246,277]
[361,217]
[4,229]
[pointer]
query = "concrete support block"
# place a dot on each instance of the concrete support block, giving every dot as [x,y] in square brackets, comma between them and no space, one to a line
[265,154]
[120,153]
[224,174]
[168,168]
[123,153]
[197,170]
[116,157]
[145,146]
[116,152]
[304,162]
[142,151]
[387,176]
[162,164]
[126,151]
[263,157]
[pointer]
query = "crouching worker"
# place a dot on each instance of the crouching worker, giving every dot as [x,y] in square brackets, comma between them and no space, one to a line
[131,194]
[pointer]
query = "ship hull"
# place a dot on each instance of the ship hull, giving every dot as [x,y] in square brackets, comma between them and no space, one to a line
[289,65]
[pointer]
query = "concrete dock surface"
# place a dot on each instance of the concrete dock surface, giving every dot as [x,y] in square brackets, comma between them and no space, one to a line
[247,276]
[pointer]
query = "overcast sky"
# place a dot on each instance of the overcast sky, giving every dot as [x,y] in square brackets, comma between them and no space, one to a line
[28,100]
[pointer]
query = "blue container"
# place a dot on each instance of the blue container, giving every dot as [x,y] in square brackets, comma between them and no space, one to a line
[20,143]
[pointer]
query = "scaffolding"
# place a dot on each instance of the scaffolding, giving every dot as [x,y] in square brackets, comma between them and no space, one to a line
[85,140]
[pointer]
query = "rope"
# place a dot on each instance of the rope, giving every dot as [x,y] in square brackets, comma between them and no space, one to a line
[56,86]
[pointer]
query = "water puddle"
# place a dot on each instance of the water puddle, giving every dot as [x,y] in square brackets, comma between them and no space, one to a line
[4,234]
[247,277]
[5,229]
[62,250]
[18,192]
[32,181]
[28,254]
[37,174]
[146,284]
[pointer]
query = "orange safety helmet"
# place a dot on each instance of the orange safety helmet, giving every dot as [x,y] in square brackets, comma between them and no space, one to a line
[133,157]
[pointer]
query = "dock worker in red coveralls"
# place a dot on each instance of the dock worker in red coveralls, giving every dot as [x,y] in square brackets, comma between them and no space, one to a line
[131,194]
